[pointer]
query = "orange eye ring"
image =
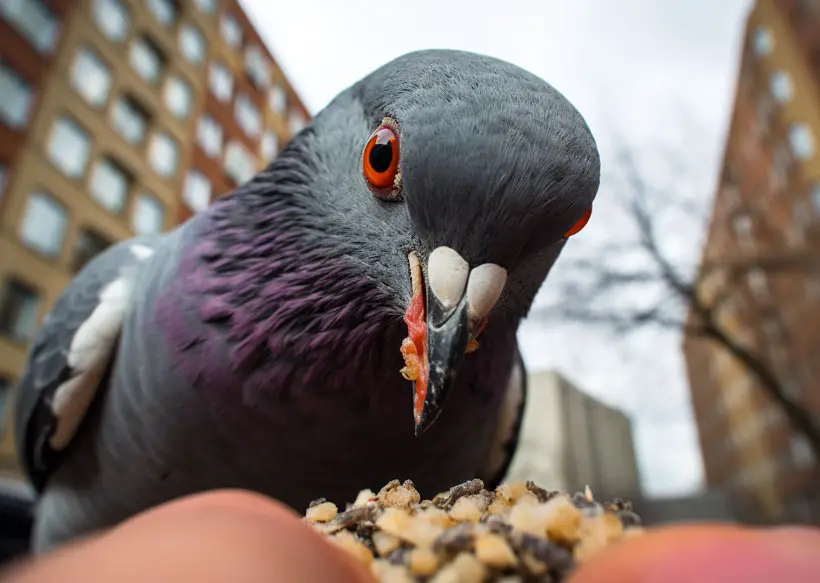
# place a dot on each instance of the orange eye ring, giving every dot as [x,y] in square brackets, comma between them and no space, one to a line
[380,163]
[579,224]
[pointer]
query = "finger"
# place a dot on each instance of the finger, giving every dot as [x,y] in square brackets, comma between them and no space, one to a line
[708,553]
[214,537]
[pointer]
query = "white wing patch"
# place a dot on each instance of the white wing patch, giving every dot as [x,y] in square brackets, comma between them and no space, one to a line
[141,251]
[506,422]
[88,356]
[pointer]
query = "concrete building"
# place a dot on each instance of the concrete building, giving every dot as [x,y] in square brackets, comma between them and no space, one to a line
[570,440]
[767,205]
[118,117]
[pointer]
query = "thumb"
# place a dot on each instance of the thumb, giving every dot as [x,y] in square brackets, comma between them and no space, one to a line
[708,553]
[214,537]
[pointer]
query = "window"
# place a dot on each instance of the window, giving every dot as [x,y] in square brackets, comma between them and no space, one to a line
[111,17]
[44,224]
[209,136]
[782,161]
[177,96]
[15,98]
[762,41]
[220,81]
[33,21]
[18,310]
[91,77]
[146,59]
[277,99]
[206,6]
[781,86]
[269,146]
[148,215]
[257,67]
[110,184]
[89,244]
[758,283]
[801,451]
[191,43]
[165,11]
[68,147]
[162,154]
[764,109]
[247,115]
[230,30]
[5,389]
[742,226]
[801,140]
[197,191]
[814,195]
[296,122]
[130,119]
[240,165]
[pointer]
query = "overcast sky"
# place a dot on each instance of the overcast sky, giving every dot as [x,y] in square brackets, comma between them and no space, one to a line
[647,72]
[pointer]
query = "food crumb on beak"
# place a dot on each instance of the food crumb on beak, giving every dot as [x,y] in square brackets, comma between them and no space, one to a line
[414,347]
[472,344]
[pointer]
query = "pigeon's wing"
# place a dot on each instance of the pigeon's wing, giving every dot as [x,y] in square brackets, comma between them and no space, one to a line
[71,356]
[508,430]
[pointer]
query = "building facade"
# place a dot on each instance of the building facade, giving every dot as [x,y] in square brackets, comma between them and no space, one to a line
[570,440]
[118,118]
[766,221]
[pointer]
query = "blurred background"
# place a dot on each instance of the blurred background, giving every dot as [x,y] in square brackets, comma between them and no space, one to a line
[673,349]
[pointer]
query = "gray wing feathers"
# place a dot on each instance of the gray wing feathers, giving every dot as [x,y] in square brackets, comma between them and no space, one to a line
[71,355]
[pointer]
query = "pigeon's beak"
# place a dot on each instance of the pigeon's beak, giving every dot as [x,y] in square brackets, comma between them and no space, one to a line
[455,309]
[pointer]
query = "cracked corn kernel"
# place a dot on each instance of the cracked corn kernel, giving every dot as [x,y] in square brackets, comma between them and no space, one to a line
[563,520]
[385,543]
[388,573]
[467,508]
[511,491]
[423,561]
[349,542]
[436,516]
[493,551]
[399,523]
[596,534]
[324,512]
[465,568]
[364,497]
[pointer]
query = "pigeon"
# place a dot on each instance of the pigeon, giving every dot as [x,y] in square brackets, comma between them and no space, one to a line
[346,317]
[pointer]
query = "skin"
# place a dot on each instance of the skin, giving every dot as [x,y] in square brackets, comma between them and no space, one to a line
[246,538]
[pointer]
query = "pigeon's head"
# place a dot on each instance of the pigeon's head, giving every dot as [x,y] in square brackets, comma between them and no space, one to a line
[461,177]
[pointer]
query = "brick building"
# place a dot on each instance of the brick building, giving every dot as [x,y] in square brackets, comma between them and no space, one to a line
[767,206]
[118,117]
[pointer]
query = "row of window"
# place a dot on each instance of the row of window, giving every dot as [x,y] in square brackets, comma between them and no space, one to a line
[44,223]
[113,20]
[112,17]
[69,144]
[782,89]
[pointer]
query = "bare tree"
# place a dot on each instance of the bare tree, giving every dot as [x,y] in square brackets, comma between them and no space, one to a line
[592,286]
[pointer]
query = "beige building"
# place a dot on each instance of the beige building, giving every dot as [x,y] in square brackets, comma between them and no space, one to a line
[767,204]
[118,117]
[570,440]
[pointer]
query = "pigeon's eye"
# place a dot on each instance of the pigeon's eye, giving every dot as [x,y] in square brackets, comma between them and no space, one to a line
[380,162]
[580,224]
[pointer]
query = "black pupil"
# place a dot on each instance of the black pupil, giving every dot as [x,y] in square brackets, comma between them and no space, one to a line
[381,155]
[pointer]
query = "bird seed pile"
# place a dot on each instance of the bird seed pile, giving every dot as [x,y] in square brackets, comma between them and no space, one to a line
[519,533]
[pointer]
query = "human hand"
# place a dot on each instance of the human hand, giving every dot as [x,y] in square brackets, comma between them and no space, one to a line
[245,538]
